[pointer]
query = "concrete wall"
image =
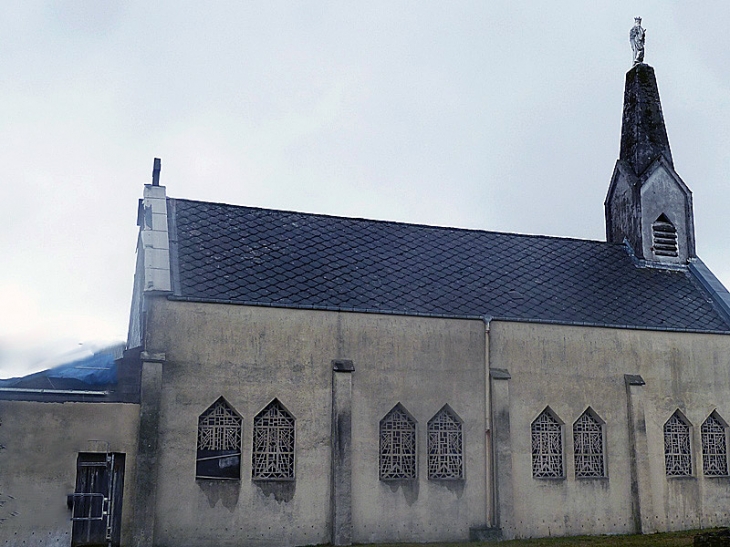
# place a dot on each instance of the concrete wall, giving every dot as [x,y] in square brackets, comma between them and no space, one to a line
[423,364]
[250,355]
[571,368]
[39,445]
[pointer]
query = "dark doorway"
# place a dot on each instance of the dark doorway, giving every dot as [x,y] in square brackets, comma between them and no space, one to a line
[97,501]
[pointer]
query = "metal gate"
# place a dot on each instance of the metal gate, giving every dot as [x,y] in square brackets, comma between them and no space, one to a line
[97,501]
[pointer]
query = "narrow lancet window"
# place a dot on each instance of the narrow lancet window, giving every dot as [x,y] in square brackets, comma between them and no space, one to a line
[664,237]
[677,451]
[273,443]
[445,446]
[547,446]
[714,447]
[219,443]
[588,446]
[397,445]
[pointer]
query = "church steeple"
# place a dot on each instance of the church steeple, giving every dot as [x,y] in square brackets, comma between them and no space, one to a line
[648,206]
[643,134]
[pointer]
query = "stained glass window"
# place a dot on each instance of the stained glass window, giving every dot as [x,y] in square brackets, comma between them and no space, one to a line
[677,453]
[714,447]
[273,443]
[547,447]
[445,450]
[588,446]
[219,443]
[397,445]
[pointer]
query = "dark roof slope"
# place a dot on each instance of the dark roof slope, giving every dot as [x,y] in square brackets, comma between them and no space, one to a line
[265,257]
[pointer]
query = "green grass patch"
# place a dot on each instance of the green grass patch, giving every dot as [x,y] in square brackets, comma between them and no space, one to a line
[670,539]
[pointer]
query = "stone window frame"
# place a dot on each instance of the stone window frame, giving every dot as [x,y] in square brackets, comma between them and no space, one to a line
[388,461]
[219,438]
[452,455]
[539,431]
[723,454]
[678,446]
[283,454]
[590,412]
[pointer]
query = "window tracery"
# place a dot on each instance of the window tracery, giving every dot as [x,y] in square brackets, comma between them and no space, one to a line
[588,446]
[219,442]
[397,445]
[714,447]
[445,446]
[677,450]
[547,446]
[273,443]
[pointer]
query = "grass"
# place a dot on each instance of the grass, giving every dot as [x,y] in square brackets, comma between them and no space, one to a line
[670,539]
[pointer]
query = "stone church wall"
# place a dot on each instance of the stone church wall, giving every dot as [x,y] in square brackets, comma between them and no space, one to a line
[570,369]
[253,355]
[423,364]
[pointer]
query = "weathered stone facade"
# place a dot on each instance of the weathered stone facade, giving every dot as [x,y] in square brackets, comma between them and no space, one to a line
[295,379]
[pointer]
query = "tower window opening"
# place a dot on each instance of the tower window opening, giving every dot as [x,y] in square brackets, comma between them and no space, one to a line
[664,237]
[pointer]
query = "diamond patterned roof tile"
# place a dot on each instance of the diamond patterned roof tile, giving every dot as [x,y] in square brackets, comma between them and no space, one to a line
[250,255]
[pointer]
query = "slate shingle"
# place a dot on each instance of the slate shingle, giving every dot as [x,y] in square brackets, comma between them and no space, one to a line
[250,255]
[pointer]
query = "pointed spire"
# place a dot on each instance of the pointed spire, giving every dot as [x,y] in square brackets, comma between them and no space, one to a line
[648,206]
[643,134]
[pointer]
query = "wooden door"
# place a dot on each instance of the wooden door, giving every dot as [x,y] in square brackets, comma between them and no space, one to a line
[97,501]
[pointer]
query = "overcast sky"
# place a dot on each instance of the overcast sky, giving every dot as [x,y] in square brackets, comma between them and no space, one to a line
[486,114]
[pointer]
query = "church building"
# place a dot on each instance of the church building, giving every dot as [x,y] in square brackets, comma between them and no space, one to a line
[299,379]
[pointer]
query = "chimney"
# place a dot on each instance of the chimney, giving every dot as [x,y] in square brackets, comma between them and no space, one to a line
[156,168]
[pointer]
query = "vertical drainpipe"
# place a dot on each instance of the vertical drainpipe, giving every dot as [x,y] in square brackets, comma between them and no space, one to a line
[488,468]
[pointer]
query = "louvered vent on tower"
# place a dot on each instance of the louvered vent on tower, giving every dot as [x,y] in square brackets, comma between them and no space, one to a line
[664,237]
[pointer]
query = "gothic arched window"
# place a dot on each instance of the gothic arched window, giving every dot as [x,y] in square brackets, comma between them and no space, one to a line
[714,446]
[273,443]
[445,446]
[397,445]
[588,446]
[219,443]
[547,446]
[677,449]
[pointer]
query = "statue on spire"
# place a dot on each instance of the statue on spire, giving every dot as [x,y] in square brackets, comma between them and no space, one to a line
[636,38]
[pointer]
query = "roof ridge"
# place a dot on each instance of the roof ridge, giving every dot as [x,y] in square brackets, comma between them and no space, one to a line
[400,223]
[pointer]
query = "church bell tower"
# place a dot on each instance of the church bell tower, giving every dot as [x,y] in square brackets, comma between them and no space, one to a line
[648,205]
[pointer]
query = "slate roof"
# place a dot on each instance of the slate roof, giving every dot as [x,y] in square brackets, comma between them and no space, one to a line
[247,255]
